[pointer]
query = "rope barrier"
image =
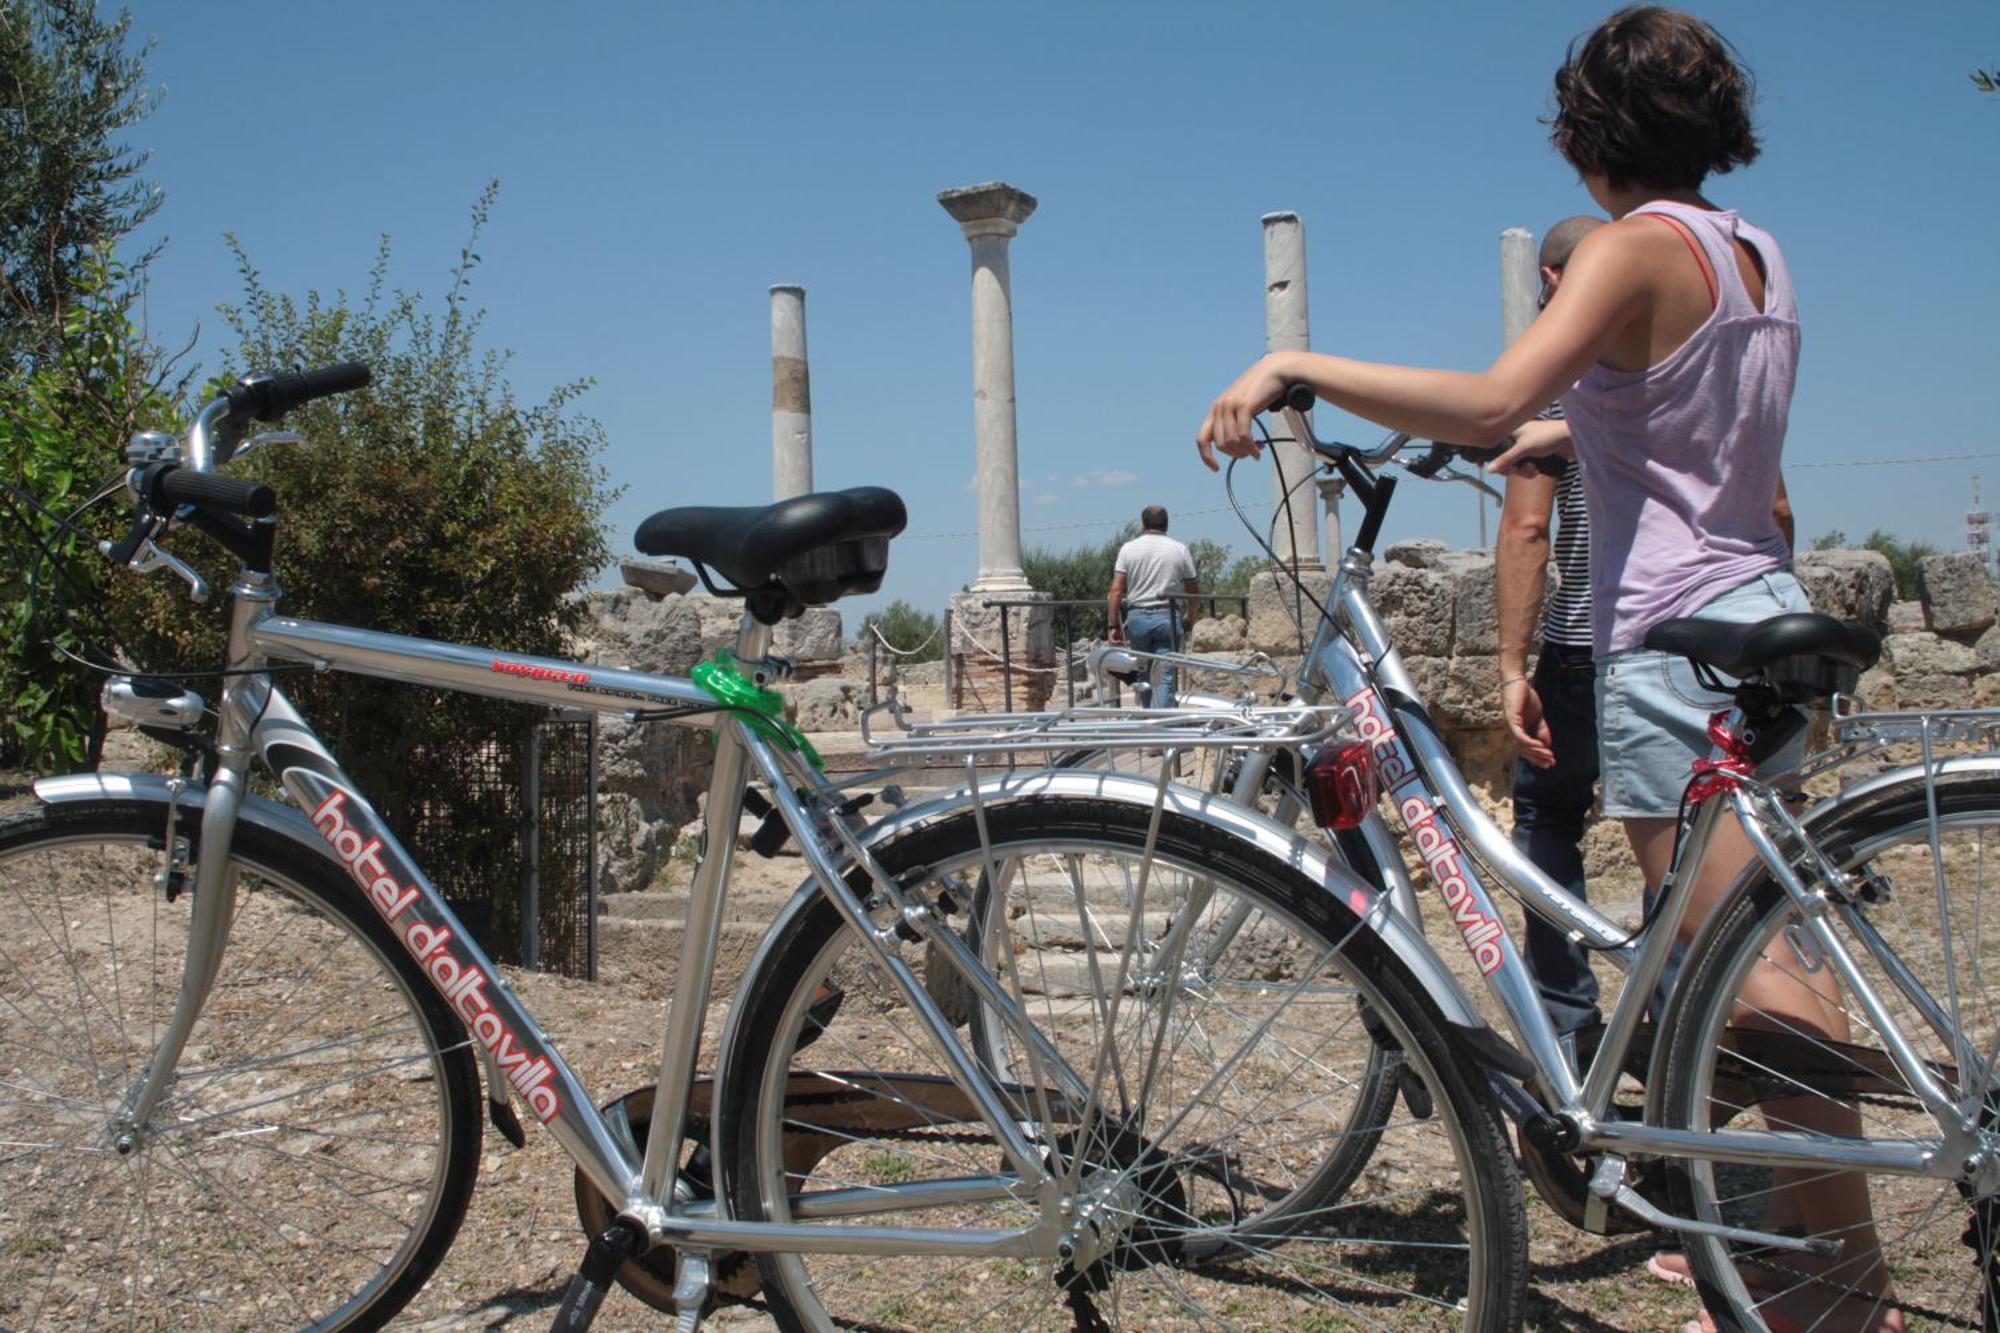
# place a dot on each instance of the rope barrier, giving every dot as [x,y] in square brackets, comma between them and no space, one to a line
[903,652]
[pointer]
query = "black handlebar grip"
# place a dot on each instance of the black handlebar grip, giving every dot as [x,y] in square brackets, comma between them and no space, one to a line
[269,397]
[205,490]
[1298,396]
[1432,462]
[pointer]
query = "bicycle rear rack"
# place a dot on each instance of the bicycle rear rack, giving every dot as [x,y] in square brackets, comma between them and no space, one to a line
[1068,730]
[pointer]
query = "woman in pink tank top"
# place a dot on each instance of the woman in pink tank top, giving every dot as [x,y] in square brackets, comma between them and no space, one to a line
[1673,344]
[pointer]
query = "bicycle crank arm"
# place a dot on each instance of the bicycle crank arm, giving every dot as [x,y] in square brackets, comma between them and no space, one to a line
[1607,1183]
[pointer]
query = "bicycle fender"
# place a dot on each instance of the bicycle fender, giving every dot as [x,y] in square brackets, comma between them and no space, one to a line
[1368,902]
[281,820]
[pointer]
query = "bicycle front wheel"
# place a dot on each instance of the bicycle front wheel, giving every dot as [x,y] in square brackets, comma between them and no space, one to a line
[1207,1090]
[1234,935]
[311,1160]
[1761,1035]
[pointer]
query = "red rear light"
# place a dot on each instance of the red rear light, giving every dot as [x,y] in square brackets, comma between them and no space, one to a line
[1341,781]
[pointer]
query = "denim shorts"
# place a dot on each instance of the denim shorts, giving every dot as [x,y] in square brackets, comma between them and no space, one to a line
[1652,714]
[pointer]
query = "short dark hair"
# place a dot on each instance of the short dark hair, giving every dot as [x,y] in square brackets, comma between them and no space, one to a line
[1153,518]
[1653,97]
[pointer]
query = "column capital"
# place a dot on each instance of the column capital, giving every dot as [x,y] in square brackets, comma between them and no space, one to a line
[994,208]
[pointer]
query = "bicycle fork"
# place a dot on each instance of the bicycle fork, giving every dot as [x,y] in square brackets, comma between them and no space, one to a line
[215,879]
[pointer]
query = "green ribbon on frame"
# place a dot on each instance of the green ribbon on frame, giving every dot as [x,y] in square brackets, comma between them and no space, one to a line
[761,709]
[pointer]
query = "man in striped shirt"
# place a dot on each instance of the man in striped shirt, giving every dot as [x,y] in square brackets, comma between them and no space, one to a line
[1553,713]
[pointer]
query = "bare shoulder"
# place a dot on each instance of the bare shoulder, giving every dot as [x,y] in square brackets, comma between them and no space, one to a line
[1632,239]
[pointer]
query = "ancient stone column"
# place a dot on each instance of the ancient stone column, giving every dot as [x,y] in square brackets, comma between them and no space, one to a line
[1520,282]
[1276,624]
[1287,328]
[813,638]
[990,215]
[791,395]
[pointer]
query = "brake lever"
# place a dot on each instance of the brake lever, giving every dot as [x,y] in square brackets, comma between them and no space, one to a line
[151,557]
[263,438]
[1472,479]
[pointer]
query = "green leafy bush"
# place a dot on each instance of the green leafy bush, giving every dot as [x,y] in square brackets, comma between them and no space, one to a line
[433,503]
[64,418]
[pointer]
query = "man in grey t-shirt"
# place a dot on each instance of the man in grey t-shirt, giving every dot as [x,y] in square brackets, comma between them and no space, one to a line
[1152,569]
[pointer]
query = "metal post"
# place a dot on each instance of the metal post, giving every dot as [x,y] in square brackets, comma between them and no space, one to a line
[1006,662]
[872,700]
[954,666]
[531,849]
[590,856]
[1068,654]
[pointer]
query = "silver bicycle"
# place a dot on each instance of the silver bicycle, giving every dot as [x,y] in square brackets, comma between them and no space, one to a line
[242,1042]
[1821,1119]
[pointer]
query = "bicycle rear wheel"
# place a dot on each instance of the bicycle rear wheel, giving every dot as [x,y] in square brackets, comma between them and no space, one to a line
[1759,1034]
[310,1163]
[1213,1094]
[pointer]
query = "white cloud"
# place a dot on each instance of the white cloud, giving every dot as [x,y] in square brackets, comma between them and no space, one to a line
[1103,477]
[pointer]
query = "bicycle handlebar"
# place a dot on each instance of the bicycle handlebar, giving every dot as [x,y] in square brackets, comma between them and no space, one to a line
[269,397]
[162,485]
[205,490]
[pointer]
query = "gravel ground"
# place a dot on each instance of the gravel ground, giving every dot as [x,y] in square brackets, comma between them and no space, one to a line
[521,1240]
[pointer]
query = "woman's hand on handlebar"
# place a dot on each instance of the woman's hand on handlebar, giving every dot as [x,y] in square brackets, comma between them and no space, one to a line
[1228,425]
[1534,439]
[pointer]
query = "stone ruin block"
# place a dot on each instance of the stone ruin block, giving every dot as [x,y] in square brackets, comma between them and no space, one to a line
[1279,613]
[1417,606]
[1848,585]
[1957,595]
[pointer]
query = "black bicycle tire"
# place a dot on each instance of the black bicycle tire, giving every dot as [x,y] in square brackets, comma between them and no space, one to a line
[1739,924]
[320,887]
[766,997]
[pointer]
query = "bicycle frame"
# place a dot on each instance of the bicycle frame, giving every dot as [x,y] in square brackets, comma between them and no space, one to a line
[1443,817]
[257,721]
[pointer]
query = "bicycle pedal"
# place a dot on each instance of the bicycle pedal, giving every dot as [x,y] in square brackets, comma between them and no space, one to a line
[692,1288]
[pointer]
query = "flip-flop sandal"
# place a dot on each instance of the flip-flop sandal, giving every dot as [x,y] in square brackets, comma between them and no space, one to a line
[1670,1267]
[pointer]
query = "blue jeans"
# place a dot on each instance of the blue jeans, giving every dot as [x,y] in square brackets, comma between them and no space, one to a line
[1551,806]
[1155,629]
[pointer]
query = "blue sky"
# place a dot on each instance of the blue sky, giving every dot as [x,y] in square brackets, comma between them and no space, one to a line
[661,165]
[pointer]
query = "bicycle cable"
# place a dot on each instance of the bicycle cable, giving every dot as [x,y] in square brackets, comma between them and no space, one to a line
[1298,583]
[53,566]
